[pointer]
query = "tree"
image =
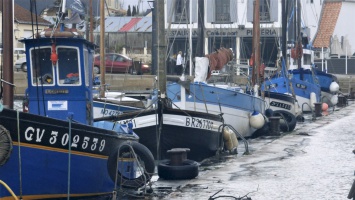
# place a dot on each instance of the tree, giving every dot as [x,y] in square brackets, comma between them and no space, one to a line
[134,11]
[137,10]
[129,11]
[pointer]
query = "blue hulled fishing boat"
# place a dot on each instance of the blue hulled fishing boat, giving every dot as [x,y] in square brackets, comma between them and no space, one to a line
[55,149]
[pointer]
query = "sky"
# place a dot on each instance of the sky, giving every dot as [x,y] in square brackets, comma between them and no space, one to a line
[144,5]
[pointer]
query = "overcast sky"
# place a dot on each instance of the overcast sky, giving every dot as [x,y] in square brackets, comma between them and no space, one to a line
[143,6]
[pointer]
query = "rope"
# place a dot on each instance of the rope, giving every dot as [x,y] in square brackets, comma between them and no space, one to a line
[19,152]
[204,99]
[9,189]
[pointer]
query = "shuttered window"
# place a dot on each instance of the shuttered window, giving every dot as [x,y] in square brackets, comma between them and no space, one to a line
[222,11]
[268,11]
[181,11]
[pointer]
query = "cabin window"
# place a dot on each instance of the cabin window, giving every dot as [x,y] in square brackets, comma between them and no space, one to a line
[181,11]
[42,69]
[222,11]
[307,59]
[68,66]
[86,56]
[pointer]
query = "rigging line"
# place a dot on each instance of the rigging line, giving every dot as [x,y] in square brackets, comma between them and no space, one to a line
[173,10]
[33,5]
[2,60]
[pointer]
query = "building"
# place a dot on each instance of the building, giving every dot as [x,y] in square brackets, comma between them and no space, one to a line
[23,24]
[228,23]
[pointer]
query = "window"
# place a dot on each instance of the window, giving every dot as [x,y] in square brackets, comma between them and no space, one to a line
[42,69]
[68,66]
[181,11]
[222,11]
[264,10]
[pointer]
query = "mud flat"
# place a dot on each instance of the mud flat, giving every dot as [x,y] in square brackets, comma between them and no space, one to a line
[315,161]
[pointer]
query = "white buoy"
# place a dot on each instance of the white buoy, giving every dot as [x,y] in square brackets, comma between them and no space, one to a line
[334,100]
[334,87]
[313,99]
[256,120]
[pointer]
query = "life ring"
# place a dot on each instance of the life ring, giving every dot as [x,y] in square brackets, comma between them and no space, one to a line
[126,160]
[6,145]
[188,170]
[287,121]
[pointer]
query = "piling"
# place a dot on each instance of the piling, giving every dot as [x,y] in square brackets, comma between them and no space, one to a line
[274,126]
[318,109]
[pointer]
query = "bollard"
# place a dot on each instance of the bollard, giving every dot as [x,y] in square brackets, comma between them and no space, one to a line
[178,155]
[341,101]
[318,109]
[274,126]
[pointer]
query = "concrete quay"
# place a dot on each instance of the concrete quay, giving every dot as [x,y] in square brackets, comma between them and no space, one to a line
[123,82]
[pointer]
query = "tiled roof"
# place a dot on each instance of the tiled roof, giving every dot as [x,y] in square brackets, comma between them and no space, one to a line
[130,24]
[127,24]
[329,18]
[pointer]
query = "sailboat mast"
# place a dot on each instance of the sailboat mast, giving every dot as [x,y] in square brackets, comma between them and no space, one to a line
[299,37]
[102,49]
[161,52]
[284,29]
[256,43]
[8,61]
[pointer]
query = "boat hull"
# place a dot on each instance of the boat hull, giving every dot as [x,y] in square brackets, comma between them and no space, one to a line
[235,106]
[280,101]
[302,90]
[41,149]
[179,129]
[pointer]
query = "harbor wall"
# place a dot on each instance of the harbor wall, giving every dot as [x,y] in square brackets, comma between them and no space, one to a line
[123,83]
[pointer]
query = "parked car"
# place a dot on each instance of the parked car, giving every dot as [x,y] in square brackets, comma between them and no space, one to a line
[20,64]
[118,63]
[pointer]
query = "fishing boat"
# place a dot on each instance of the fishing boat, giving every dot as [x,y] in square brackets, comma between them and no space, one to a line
[328,82]
[307,93]
[239,109]
[55,149]
[114,103]
[164,127]
[277,104]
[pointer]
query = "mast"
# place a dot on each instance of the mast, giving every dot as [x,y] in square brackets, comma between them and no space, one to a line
[161,51]
[91,22]
[102,49]
[201,28]
[284,28]
[256,43]
[190,39]
[8,61]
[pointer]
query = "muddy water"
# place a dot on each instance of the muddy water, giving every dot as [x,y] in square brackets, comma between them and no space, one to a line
[315,161]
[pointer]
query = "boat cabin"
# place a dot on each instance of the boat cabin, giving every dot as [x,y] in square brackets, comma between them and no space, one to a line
[59,73]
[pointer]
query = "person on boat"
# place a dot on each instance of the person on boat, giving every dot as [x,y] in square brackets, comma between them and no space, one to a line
[178,67]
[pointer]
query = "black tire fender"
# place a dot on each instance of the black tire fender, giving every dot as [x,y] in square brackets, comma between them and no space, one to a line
[289,118]
[145,158]
[188,170]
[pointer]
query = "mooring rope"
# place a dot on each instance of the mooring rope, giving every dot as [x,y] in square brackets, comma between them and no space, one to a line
[19,152]
[9,189]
